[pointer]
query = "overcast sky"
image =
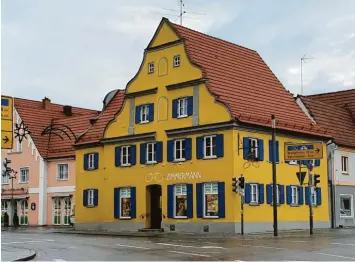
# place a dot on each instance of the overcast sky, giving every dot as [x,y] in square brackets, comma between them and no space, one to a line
[76,51]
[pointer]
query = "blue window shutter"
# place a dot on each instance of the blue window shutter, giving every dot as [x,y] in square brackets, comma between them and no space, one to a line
[288,195]
[270,151]
[171,201]
[116,203]
[245,147]
[317,162]
[307,196]
[190,196]
[138,114]
[268,194]
[188,148]
[117,156]
[300,195]
[219,145]
[199,199]
[221,200]
[261,149]
[159,146]
[133,153]
[175,108]
[170,150]
[151,112]
[143,149]
[85,198]
[305,162]
[96,160]
[277,152]
[190,105]
[247,194]
[96,197]
[199,147]
[282,194]
[133,202]
[261,193]
[319,196]
[86,161]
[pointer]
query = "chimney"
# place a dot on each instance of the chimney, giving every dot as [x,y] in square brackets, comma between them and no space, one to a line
[46,103]
[67,110]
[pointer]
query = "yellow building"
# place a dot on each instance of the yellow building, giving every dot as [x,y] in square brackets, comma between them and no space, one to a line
[164,151]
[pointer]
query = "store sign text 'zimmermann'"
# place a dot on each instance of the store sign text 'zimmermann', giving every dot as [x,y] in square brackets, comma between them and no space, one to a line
[187,175]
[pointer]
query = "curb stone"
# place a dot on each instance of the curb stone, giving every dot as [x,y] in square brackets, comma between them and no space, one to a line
[30,257]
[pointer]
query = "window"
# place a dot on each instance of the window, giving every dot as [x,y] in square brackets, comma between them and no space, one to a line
[254,194]
[313,196]
[91,197]
[144,114]
[67,209]
[346,206]
[125,202]
[150,67]
[4,179]
[176,61]
[182,107]
[62,172]
[57,211]
[277,194]
[24,175]
[24,212]
[294,195]
[253,145]
[180,150]
[180,196]
[210,147]
[151,153]
[211,200]
[345,165]
[19,146]
[91,163]
[126,156]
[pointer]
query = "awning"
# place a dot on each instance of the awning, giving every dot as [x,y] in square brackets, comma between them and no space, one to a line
[8,197]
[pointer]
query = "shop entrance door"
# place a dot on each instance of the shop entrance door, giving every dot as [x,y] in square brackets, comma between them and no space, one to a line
[155,206]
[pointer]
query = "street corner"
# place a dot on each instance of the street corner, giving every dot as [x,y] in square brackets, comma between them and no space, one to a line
[17,254]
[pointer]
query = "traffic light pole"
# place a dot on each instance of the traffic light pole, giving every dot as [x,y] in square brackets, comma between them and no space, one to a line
[310,203]
[274,189]
[242,215]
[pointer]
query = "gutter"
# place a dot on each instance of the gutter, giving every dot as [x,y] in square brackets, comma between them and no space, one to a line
[331,146]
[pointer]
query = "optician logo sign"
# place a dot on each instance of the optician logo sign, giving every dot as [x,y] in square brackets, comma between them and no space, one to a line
[158,177]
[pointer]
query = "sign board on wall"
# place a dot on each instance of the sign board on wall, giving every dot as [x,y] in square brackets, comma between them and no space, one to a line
[6,122]
[303,151]
[158,177]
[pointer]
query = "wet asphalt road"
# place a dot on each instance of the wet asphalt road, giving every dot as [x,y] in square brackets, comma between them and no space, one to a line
[338,245]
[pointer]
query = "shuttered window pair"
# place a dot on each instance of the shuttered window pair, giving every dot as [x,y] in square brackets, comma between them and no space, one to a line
[180,201]
[253,148]
[182,107]
[179,150]
[91,161]
[210,146]
[316,197]
[124,202]
[125,155]
[280,189]
[91,197]
[144,113]
[254,193]
[315,162]
[151,153]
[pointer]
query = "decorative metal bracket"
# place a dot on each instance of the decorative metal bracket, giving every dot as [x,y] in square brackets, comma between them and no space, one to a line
[21,131]
[59,130]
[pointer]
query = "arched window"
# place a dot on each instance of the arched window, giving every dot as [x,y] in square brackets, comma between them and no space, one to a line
[57,211]
[163,67]
[24,212]
[4,205]
[67,209]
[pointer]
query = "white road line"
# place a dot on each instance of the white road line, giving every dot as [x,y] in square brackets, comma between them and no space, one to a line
[33,241]
[175,245]
[131,246]
[190,254]
[259,246]
[331,255]
[343,244]
[294,241]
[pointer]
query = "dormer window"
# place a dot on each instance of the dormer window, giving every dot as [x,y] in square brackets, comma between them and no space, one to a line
[176,61]
[150,67]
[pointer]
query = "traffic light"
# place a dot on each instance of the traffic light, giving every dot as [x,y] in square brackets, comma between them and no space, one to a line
[234,185]
[241,182]
[316,179]
[5,168]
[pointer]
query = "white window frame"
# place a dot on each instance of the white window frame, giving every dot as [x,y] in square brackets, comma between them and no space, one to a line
[125,155]
[313,196]
[178,146]
[144,114]
[295,195]
[91,161]
[255,149]
[125,192]
[179,191]
[177,61]
[345,165]
[213,137]
[91,194]
[25,210]
[56,209]
[152,146]
[19,146]
[182,104]
[277,195]
[5,179]
[254,191]
[27,177]
[204,198]
[351,205]
[58,172]
[150,67]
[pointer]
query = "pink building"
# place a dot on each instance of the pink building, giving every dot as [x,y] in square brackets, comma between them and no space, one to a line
[44,187]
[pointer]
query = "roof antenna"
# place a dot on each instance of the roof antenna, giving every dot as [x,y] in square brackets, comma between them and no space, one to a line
[303,60]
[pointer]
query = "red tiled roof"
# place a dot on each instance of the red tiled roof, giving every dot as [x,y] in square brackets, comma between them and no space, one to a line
[96,132]
[336,119]
[37,119]
[240,79]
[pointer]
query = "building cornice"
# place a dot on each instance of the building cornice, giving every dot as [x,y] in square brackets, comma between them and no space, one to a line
[186,84]
[142,93]
[129,138]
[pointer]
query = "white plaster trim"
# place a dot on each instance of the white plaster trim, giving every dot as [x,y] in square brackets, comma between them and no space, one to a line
[304,109]
[42,209]
[33,190]
[60,189]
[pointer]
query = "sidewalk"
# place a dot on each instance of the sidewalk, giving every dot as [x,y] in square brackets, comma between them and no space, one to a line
[16,254]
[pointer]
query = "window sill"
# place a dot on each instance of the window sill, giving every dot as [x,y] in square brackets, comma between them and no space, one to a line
[125,218]
[183,116]
[210,157]
[14,153]
[180,217]
[345,173]
[144,122]
[179,160]
[211,217]
[346,217]
[294,205]
[62,179]
[90,206]
[151,163]
[23,182]
[90,169]
[126,165]
[254,204]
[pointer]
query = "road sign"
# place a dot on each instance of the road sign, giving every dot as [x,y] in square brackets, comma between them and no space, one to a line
[303,151]
[301,176]
[6,122]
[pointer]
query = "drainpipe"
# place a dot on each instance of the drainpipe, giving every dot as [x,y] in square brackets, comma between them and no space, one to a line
[331,146]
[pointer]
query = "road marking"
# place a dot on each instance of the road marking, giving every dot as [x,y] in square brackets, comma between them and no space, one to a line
[59,260]
[294,241]
[175,245]
[331,255]
[343,244]
[132,246]
[259,246]
[33,241]
[190,254]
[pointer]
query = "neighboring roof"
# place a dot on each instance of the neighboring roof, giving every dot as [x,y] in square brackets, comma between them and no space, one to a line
[336,119]
[96,131]
[240,79]
[37,118]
